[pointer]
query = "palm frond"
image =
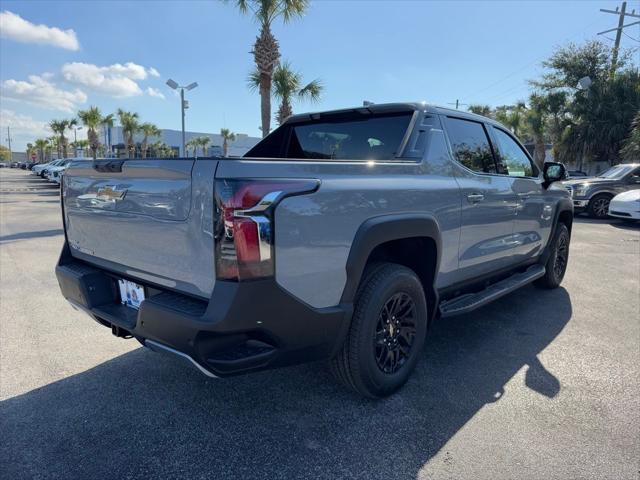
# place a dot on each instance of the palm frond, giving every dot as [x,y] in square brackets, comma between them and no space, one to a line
[311,91]
[253,80]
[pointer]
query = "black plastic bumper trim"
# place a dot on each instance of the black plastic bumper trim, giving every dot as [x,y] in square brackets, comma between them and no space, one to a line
[218,335]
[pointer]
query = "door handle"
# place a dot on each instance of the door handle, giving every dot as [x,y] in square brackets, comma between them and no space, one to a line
[475,197]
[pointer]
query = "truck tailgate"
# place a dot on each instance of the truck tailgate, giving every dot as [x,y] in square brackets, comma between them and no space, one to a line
[149,220]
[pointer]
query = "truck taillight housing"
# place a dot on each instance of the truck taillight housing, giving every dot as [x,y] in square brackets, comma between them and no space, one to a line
[244,233]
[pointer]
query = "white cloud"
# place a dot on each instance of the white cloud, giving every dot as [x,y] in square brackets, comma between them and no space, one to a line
[14,27]
[117,80]
[153,72]
[154,92]
[39,91]
[22,125]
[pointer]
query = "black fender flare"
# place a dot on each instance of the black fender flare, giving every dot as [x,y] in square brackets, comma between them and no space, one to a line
[564,205]
[378,230]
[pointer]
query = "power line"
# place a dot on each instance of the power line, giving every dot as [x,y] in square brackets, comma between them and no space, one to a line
[629,36]
[536,60]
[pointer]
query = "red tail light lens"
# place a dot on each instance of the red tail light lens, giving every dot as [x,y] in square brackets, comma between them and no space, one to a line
[244,225]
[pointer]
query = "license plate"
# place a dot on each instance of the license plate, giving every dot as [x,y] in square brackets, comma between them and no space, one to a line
[131,294]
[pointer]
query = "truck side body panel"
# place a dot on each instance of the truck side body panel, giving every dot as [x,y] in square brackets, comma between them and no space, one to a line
[314,233]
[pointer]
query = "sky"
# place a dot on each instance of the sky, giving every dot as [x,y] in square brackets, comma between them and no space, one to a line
[57,57]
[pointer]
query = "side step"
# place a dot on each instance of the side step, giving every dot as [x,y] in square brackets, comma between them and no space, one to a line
[471,301]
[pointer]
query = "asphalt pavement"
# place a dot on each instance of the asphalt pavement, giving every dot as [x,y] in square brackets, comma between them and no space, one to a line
[538,385]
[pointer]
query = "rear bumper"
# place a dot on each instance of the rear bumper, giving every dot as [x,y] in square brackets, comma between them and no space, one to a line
[244,327]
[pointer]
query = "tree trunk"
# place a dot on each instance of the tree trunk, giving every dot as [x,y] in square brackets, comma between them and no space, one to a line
[265,103]
[225,148]
[284,111]
[540,151]
[130,147]
[94,143]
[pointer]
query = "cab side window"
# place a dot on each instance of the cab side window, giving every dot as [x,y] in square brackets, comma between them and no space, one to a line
[470,145]
[512,156]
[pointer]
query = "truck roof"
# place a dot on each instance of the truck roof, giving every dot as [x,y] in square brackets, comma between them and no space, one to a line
[390,108]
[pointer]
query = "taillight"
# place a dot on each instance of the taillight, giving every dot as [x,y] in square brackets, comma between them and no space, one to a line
[244,226]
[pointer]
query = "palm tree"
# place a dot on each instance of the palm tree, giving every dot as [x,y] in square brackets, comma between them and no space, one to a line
[82,145]
[631,149]
[107,124]
[58,127]
[29,150]
[54,143]
[536,120]
[91,118]
[130,125]
[265,51]
[227,137]
[41,145]
[512,116]
[484,110]
[149,130]
[203,142]
[192,145]
[287,84]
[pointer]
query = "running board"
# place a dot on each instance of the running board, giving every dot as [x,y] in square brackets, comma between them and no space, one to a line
[471,301]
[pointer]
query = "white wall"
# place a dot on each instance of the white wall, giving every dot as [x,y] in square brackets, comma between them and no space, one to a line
[173,138]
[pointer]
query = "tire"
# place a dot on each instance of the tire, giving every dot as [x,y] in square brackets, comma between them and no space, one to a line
[599,206]
[556,265]
[387,332]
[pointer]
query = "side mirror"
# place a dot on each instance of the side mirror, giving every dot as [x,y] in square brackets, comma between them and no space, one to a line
[554,172]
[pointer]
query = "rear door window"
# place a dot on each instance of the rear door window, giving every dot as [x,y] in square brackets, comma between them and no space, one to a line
[512,156]
[470,145]
[344,137]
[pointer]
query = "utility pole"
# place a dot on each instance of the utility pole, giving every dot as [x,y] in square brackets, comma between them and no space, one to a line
[457,104]
[622,13]
[9,141]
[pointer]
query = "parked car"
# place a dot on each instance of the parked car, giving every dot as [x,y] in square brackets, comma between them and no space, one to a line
[593,194]
[55,173]
[626,205]
[577,173]
[42,169]
[15,165]
[342,235]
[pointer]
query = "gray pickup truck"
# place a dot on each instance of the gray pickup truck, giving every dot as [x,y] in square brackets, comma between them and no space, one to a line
[342,235]
[593,194]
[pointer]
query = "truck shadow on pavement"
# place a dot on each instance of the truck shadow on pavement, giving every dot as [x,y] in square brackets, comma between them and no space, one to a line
[142,415]
[25,235]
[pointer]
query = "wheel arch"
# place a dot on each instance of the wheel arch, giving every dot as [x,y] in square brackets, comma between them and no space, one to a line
[610,193]
[413,240]
[563,214]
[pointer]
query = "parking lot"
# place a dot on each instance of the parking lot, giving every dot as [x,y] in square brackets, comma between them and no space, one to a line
[540,384]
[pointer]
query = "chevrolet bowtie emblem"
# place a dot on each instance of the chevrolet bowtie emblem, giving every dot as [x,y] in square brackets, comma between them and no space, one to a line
[111,193]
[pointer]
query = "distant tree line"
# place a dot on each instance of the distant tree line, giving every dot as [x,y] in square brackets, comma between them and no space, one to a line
[93,120]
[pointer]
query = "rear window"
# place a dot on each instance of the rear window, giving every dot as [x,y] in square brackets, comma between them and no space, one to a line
[470,145]
[347,137]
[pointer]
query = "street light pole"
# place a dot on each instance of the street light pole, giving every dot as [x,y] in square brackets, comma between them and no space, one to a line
[182,111]
[75,140]
[183,104]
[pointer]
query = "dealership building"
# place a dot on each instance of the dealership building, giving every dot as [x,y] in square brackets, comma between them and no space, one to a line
[173,138]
